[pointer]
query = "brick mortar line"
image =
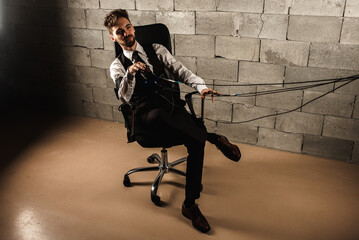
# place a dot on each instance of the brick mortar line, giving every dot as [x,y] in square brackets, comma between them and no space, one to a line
[345,6]
[355,100]
[309,51]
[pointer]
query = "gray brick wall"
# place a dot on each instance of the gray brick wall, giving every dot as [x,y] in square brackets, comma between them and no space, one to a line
[222,41]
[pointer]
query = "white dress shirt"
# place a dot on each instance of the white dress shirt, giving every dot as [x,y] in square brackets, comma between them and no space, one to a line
[128,82]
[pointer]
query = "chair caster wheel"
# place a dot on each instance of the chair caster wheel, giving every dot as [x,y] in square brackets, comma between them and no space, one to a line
[156,200]
[151,159]
[126,181]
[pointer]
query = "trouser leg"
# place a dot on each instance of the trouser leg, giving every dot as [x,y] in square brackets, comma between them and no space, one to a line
[180,127]
[194,170]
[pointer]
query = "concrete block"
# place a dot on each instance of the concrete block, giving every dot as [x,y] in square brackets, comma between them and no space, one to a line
[162,5]
[139,18]
[105,96]
[337,56]
[75,56]
[199,5]
[70,17]
[248,25]
[240,48]
[95,18]
[239,132]
[117,115]
[274,26]
[210,125]
[280,140]
[355,154]
[259,73]
[188,62]
[87,38]
[58,36]
[108,44]
[109,81]
[350,31]
[356,109]
[217,23]
[102,58]
[63,73]
[52,3]
[74,106]
[116,4]
[352,8]
[92,76]
[327,147]
[277,6]
[284,100]
[331,104]
[351,88]
[177,22]
[83,4]
[98,110]
[284,52]
[317,8]
[299,122]
[314,29]
[214,111]
[76,91]
[217,68]
[225,87]
[242,112]
[303,74]
[255,6]
[194,45]
[343,128]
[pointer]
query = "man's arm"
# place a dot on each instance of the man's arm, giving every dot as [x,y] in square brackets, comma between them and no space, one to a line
[125,79]
[181,73]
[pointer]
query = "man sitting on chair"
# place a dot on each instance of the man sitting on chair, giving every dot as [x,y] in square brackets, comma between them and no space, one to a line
[159,110]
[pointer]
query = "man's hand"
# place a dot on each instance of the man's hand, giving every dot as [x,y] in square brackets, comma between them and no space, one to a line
[136,66]
[207,91]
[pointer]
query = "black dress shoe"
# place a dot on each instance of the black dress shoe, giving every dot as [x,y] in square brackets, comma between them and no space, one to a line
[198,220]
[229,150]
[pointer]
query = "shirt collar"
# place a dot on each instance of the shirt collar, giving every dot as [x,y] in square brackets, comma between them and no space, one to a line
[139,48]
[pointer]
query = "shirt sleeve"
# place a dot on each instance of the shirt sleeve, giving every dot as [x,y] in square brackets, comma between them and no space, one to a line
[127,81]
[180,72]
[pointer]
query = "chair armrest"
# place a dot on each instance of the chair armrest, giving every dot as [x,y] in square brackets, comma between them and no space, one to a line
[188,98]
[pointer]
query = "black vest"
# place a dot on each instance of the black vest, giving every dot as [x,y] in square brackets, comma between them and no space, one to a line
[151,93]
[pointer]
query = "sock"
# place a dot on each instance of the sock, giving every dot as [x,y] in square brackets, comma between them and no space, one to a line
[189,202]
[212,137]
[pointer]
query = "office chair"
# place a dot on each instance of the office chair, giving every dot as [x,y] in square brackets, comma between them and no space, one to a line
[148,34]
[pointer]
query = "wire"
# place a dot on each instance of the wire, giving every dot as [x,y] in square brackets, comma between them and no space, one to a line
[347,80]
[276,114]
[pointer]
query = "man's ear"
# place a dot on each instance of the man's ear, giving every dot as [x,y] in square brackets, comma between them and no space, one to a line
[112,38]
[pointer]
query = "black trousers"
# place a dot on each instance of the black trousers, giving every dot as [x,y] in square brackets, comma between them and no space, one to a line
[178,127]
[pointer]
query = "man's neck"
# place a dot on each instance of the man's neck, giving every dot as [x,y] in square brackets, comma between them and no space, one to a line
[133,48]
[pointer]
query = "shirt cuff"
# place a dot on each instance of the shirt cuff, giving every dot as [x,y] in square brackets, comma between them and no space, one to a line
[200,88]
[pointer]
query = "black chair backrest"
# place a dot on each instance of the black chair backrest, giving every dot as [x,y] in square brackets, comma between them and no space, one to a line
[148,34]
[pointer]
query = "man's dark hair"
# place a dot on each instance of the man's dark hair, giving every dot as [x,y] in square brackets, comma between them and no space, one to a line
[112,17]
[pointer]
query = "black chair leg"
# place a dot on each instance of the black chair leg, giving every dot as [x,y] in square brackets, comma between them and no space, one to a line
[163,167]
[156,199]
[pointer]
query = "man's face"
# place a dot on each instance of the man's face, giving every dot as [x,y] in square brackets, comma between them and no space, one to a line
[123,33]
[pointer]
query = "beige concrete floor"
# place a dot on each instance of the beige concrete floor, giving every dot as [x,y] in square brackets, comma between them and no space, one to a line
[65,182]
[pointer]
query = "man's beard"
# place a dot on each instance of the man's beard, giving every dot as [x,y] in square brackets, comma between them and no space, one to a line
[129,43]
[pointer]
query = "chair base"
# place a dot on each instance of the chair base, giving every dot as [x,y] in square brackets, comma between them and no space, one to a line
[163,167]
